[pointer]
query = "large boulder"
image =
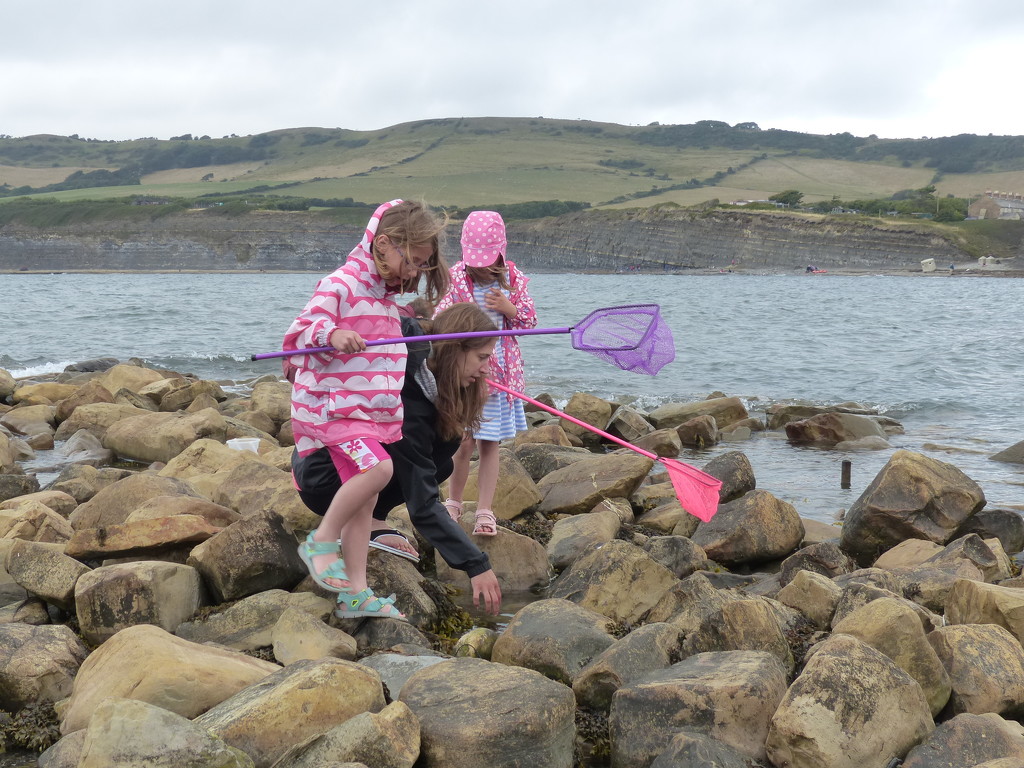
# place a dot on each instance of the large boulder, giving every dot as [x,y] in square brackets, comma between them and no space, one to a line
[912,497]
[37,663]
[728,696]
[829,429]
[576,488]
[725,411]
[474,713]
[755,528]
[985,664]
[851,707]
[113,503]
[149,664]
[618,580]
[162,436]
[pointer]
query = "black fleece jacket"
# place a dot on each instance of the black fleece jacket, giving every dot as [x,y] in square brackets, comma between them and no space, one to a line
[422,461]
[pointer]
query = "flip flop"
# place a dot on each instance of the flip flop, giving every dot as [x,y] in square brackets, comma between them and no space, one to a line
[336,570]
[365,604]
[393,550]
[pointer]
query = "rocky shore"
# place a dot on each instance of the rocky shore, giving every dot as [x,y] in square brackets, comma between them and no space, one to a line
[153,608]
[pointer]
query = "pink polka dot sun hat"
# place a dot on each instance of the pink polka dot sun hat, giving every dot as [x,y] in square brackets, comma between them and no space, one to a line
[483,238]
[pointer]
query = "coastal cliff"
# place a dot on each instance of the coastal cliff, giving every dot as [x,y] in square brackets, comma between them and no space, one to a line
[598,241]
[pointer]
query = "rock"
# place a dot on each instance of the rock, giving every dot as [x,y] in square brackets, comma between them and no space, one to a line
[139,537]
[724,410]
[541,460]
[158,507]
[974,602]
[894,629]
[985,664]
[37,663]
[727,696]
[698,432]
[972,549]
[545,434]
[578,487]
[629,424]
[474,713]
[829,429]
[58,501]
[851,706]
[519,562]
[912,496]
[930,584]
[970,740]
[88,393]
[162,436]
[677,553]
[907,554]
[661,442]
[816,532]
[124,733]
[127,397]
[83,447]
[299,635]
[302,701]
[386,739]
[113,597]
[251,555]
[382,634]
[82,482]
[33,521]
[748,624]
[826,559]
[478,643]
[515,493]
[735,472]
[755,528]
[126,376]
[689,602]
[112,504]
[646,649]
[554,637]
[618,580]
[14,485]
[589,409]
[274,399]
[857,594]
[45,571]
[7,384]
[148,664]
[47,392]
[688,748]
[396,668]
[97,418]
[249,623]
[814,595]
[254,487]
[666,519]
[1007,525]
[573,537]
[1012,455]
[182,397]
[66,753]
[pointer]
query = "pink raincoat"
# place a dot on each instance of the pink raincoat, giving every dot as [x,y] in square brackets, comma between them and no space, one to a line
[338,397]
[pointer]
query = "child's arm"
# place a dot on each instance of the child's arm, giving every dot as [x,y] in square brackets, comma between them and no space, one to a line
[320,318]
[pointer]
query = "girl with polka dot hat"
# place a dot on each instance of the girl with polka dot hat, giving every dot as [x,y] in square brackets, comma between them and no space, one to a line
[487,278]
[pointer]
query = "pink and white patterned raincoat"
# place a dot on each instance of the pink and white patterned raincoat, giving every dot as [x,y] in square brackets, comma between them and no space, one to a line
[338,397]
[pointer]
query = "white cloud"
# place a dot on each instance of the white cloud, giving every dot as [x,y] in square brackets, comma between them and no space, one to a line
[114,69]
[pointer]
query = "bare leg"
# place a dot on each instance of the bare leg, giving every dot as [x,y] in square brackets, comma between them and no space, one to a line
[460,467]
[487,473]
[353,503]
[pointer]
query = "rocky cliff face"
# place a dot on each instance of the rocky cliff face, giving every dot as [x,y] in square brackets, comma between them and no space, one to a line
[647,240]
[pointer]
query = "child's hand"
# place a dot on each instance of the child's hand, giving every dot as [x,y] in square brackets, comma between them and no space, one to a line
[348,342]
[499,302]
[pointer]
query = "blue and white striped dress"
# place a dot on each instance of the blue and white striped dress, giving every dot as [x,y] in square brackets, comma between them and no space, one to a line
[501,419]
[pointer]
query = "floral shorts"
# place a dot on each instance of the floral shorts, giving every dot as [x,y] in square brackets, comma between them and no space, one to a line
[353,457]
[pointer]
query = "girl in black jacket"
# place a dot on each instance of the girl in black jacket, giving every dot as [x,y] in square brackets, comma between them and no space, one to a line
[443,396]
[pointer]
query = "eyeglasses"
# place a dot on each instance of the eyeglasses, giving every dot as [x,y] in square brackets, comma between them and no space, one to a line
[424,266]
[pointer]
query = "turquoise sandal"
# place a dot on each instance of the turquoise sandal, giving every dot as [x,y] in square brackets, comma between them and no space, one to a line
[336,570]
[354,605]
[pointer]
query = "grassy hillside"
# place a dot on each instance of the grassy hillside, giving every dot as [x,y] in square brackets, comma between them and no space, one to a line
[481,161]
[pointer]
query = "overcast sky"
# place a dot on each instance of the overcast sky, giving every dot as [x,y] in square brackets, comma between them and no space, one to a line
[112,69]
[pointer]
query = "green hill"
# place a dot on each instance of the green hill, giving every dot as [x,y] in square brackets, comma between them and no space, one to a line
[462,162]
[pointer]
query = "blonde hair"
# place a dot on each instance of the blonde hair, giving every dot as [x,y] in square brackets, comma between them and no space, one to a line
[412,224]
[458,408]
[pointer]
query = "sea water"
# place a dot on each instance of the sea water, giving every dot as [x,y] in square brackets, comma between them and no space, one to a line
[941,355]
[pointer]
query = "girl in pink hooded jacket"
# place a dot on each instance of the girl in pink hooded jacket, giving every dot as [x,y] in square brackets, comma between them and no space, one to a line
[349,401]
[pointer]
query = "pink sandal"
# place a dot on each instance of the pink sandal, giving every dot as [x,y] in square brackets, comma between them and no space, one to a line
[454,509]
[486,524]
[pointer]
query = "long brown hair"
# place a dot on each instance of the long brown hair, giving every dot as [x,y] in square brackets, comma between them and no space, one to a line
[458,408]
[412,224]
[497,272]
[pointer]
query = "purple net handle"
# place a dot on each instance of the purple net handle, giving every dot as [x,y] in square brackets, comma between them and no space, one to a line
[427,337]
